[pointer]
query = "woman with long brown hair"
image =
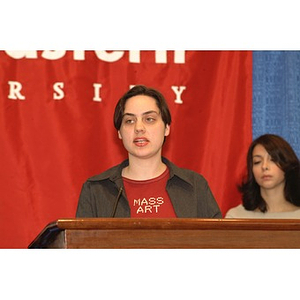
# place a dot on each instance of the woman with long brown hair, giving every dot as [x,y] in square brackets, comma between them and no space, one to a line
[271,188]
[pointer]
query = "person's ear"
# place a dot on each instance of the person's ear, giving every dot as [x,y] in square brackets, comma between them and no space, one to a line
[167,130]
[119,135]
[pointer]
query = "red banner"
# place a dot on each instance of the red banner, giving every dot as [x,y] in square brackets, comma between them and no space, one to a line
[56,127]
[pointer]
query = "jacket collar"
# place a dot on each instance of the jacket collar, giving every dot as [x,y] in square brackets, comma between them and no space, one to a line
[115,173]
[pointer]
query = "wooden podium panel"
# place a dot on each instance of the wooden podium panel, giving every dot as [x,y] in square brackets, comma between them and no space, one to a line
[130,233]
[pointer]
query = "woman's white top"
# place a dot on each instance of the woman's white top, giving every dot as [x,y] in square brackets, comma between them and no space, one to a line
[239,212]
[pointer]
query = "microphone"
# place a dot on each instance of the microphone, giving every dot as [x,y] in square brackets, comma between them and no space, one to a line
[116,203]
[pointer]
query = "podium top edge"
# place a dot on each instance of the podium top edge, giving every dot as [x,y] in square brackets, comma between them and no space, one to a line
[176,223]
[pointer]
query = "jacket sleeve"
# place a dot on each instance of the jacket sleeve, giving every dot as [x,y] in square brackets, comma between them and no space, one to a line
[213,210]
[84,207]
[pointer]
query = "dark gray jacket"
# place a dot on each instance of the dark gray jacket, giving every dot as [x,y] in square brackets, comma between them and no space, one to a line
[188,191]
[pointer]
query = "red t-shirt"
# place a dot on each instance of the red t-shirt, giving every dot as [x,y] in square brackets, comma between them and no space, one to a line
[149,198]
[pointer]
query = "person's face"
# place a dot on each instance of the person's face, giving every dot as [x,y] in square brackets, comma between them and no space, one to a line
[266,172]
[142,130]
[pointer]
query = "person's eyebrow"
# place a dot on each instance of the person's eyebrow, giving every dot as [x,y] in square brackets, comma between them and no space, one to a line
[145,113]
[128,114]
[150,112]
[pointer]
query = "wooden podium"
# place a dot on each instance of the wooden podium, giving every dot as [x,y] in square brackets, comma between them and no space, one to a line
[129,233]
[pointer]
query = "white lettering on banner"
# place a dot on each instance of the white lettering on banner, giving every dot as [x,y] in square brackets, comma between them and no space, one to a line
[58,92]
[106,56]
[97,87]
[161,57]
[178,91]
[22,54]
[15,88]
[109,57]
[134,57]
[53,54]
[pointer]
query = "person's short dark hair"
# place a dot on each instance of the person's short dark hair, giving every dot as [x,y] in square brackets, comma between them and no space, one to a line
[284,156]
[142,90]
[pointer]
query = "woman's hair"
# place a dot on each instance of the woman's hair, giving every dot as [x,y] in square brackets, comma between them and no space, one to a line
[284,156]
[142,90]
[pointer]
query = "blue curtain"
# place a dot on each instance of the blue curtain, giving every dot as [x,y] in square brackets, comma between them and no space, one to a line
[276,95]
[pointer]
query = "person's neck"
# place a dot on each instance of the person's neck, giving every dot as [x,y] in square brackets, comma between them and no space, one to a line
[276,201]
[144,169]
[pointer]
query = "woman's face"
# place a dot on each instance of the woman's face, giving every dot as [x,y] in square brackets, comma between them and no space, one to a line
[266,172]
[142,130]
